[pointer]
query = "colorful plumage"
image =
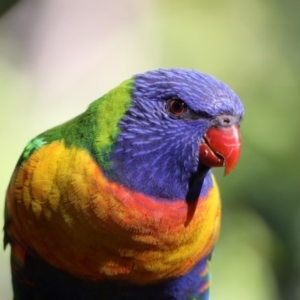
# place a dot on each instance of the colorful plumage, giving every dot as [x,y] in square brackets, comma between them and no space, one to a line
[120,202]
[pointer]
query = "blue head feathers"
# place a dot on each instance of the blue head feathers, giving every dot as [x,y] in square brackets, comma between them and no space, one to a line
[157,150]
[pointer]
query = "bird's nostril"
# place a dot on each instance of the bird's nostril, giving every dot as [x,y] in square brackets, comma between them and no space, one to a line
[226,120]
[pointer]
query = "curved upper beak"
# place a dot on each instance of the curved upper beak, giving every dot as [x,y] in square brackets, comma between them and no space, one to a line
[221,146]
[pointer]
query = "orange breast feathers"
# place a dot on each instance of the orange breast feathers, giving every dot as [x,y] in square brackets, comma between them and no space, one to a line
[62,207]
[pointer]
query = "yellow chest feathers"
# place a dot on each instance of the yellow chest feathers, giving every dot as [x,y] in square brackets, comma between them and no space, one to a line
[64,209]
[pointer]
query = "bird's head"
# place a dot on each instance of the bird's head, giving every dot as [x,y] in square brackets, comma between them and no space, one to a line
[179,124]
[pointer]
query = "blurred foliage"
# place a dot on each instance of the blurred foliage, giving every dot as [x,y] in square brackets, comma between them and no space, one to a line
[254,47]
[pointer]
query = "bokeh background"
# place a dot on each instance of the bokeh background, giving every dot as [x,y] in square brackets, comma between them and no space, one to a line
[56,56]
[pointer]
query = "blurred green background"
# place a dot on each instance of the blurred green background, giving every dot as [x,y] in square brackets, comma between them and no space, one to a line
[58,56]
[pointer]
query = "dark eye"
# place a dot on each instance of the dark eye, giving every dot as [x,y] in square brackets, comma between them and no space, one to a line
[177,107]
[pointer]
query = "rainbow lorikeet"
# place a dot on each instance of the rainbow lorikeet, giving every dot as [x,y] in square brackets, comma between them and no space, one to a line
[120,202]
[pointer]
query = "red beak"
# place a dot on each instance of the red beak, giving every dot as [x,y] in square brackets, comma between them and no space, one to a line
[221,146]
